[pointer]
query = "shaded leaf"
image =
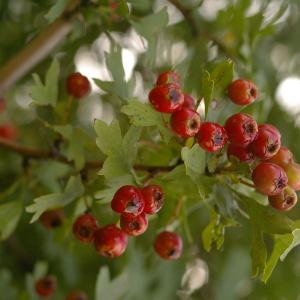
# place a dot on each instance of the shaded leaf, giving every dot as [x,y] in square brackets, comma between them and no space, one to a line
[56,10]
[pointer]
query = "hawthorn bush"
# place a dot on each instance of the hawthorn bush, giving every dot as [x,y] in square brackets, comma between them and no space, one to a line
[134,136]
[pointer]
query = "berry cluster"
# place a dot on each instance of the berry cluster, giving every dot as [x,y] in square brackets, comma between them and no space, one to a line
[46,286]
[133,204]
[275,172]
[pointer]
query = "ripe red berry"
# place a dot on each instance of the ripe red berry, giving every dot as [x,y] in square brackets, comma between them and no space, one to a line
[241,153]
[51,219]
[189,102]
[78,85]
[185,122]
[269,179]
[45,286]
[242,92]
[134,225]
[267,142]
[211,136]
[166,98]
[168,77]
[9,132]
[241,129]
[282,158]
[293,173]
[154,198]
[84,228]
[110,241]
[128,200]
[285,201]
[77,295]
[168,245]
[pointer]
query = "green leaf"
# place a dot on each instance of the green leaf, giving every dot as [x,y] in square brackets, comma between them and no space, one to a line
[222,75]
[10,214]
[107,289]
[143,115]
[56,10]
[194,160]
[46,94]
[73,190]
[207,90]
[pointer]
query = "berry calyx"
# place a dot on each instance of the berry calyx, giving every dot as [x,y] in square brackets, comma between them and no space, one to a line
[84,228]
[9,132]
[128,200]
[78,85]
[185,122]
[189,102]
[134,225]
[153,198]
[241,129]
[242,92]
[267,142]
[212,136]
[282,158]
[77,295]
[46,286]
[243,154]
[269,179]
[168,245]
[293,173]
[285,201]
[110,241]
[51,219]
[166,98]
[168,77]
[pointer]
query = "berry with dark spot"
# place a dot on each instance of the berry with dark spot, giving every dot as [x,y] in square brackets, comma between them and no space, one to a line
[153,198]
[128,200]
[269,179]
[242,92]
[243,154]
[78,85]
[110,241]
[51,219]
[46,286]
[282,158]
[267,142]
[166,98]
[168,77]
[168,245]
[77,295]
[185,122]
[212,136]
[84,228]
[134,225]
[285,201]
[241,129]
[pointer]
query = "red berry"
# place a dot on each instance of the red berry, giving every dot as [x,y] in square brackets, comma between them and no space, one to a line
[45,286]
[51,219]
[128,200]
[78,85]
[269,179]
[185,122]
[293,173]
[134,225]
[8,132]
[241,153]
[154,198]
[84,228]
[267,142]
[285,201]
[77,295]
[110,241]
[166,98]
[168,77]
[241,129]
[242,92]
[211,136]
[189,102]
[282,158]
[168,245]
